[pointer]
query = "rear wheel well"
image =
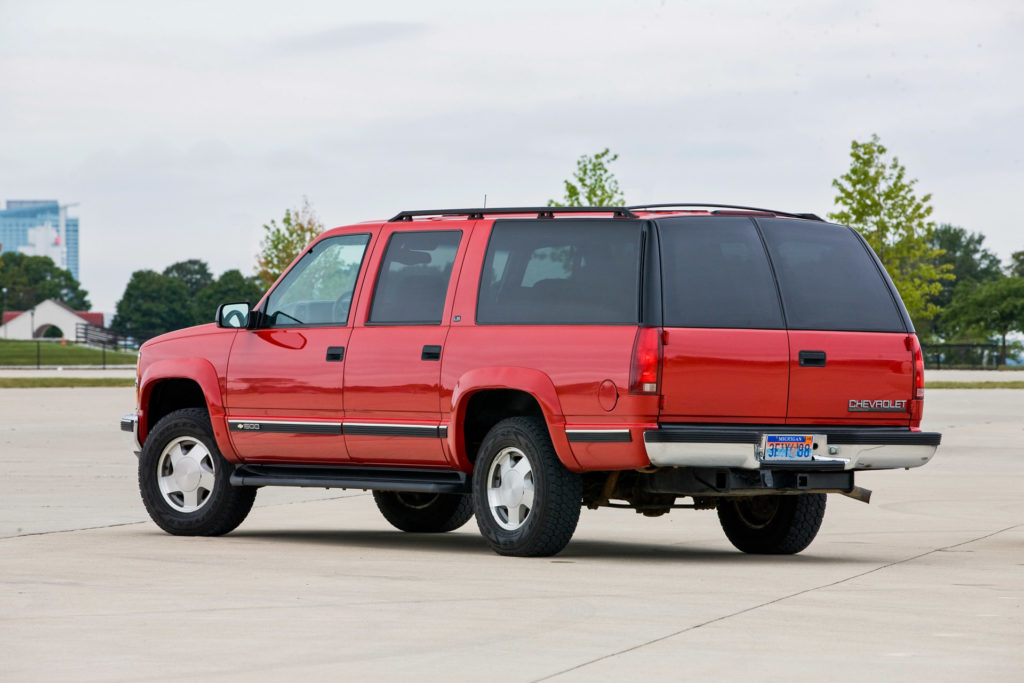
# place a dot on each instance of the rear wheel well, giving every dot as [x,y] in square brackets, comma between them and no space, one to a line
[489,407]
[170,395]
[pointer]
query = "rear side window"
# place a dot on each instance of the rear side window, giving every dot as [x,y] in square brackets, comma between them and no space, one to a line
[413,279]
[828,279]
[553,272]
[715,274]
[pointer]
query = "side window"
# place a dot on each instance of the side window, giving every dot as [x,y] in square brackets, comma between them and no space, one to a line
[828,280]
[318,290]
[560,272]
[715,274]
[413,279]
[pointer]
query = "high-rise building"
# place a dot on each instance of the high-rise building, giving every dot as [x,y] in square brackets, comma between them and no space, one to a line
[40,227]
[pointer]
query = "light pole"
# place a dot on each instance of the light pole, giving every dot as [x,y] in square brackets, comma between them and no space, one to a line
[4,311]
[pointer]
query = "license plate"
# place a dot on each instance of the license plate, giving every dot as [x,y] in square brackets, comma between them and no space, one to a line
[788,447]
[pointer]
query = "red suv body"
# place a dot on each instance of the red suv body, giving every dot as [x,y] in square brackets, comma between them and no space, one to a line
[525,362]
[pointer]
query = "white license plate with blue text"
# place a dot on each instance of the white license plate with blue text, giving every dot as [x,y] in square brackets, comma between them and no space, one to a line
[790,447]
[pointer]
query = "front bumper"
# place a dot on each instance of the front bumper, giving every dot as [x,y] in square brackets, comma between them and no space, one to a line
[130,431]
[849,448]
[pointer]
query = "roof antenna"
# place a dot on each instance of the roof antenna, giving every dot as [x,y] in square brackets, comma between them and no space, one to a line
[485,200]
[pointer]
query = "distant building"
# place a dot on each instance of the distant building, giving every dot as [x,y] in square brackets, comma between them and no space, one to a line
[40,228]
[51,313]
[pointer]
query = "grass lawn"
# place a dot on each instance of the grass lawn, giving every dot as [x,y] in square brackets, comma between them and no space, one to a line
[1013,384]
[17,352]
[64,382]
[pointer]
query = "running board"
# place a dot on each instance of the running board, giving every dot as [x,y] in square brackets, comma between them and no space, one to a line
[353,477]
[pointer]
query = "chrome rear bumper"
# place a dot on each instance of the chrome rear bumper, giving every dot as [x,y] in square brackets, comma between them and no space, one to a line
[868,448]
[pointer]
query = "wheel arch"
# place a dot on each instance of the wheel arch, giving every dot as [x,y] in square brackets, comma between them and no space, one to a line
[173,384]
[485,396]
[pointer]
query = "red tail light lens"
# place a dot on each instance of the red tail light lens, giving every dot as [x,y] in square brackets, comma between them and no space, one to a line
[645,373]
[917,398]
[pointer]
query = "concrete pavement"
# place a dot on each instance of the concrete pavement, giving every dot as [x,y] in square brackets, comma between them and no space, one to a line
[926,582]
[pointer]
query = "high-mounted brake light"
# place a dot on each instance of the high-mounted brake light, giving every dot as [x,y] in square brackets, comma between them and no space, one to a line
[645,373]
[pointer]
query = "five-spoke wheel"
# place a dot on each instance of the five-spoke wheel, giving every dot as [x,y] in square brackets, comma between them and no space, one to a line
[184,480]
[510,488]
[527,503]
[187,474]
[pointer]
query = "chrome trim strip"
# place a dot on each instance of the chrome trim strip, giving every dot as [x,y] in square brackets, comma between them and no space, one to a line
[258,425]
[599,435]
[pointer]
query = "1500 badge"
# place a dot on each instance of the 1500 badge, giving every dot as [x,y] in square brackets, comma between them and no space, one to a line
[879,406]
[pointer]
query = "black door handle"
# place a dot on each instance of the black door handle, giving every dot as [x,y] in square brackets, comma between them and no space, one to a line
[335,353]
[431,353]
[812,359]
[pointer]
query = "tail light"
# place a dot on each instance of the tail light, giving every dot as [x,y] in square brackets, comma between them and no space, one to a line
[645,372]
[917,398]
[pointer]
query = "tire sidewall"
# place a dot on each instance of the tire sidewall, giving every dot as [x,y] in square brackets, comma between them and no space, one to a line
[503,436]
[187,423]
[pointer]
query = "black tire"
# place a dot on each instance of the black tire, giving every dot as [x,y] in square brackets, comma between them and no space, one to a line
[175,495]
[425,513]
[543,527]
[772,525]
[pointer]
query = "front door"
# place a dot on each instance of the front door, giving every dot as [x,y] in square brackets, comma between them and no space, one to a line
[283,392]
[393,367]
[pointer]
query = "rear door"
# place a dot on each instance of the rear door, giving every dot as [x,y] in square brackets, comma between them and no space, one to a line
[393,365]
[850,361]
[726,354]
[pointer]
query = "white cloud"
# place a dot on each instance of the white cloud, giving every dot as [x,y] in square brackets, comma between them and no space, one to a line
[182,127]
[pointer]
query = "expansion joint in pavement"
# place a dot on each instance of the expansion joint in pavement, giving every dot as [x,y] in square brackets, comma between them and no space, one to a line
[775,601]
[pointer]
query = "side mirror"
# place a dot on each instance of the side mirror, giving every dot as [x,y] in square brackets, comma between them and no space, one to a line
[233,315]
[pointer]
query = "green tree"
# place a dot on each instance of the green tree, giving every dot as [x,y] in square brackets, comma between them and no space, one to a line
[152,304]
[230,287]
[194,273]
[969,262]
[877,199]
[282,243]
[1017,264]
[31,280]
[594,184]
[992,307]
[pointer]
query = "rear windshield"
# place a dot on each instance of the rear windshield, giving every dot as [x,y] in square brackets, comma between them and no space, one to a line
[563,271]
[827,278]
[715,274]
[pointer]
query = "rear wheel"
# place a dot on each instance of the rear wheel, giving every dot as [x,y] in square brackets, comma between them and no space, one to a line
[424,512]
[184,480]
[527,503]
[772,525]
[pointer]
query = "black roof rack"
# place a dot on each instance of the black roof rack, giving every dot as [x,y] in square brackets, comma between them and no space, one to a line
[541,211]
[701,205]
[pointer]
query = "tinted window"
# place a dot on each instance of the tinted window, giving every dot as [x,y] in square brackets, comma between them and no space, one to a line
[414,275]
[715,274]
[318,290]
[828,280]
[561,272]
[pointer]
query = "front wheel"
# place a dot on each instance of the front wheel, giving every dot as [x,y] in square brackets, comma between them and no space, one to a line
[527,503]
[185,481]
[772,525]
[427,513]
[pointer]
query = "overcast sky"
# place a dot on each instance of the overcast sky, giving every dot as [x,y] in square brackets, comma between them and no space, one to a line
[182,127]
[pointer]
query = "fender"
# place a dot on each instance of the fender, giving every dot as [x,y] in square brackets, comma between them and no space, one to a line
[529,380]
[202,372]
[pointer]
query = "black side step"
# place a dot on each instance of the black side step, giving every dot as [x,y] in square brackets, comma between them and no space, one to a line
[353,477]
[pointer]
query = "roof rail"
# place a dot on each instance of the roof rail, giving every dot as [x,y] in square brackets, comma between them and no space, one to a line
[541,211]
[701,205]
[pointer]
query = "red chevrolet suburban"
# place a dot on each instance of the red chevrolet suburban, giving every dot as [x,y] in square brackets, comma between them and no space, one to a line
[521,363]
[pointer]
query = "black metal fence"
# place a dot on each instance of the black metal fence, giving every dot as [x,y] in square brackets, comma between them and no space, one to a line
[963,356]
